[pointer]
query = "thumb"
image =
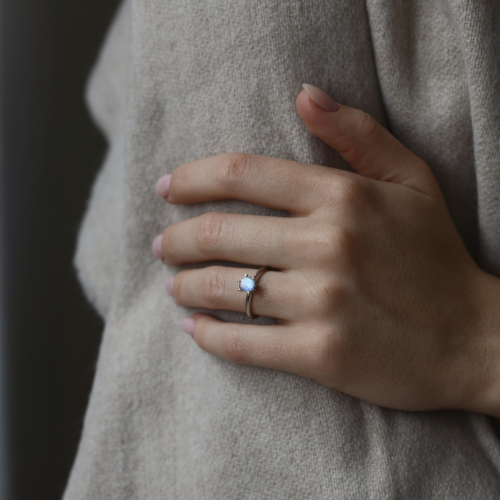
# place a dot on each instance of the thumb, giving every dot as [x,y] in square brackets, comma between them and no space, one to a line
[369,148]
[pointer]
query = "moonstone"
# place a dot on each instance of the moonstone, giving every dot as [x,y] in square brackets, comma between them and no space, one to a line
[247,284]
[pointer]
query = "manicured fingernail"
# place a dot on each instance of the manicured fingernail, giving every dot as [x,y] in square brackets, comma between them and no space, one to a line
[187,325]
[321,98]
[163,186]
[169,285]
[157,246]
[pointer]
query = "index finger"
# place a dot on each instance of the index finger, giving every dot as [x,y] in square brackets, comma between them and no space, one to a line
[265,181]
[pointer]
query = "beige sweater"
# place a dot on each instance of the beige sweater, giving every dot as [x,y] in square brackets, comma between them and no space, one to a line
[180,80]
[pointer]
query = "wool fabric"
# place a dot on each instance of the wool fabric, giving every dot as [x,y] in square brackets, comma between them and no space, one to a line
[181,80]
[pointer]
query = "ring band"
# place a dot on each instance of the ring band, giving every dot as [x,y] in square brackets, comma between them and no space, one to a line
[248,284]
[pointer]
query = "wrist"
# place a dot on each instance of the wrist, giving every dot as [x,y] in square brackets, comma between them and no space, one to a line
[480,365]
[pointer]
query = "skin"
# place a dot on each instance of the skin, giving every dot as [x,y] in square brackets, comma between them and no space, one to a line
[375,295]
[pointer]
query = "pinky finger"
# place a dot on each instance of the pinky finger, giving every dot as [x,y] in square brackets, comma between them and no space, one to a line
[279,347]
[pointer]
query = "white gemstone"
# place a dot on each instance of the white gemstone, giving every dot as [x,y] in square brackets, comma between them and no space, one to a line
[247,284]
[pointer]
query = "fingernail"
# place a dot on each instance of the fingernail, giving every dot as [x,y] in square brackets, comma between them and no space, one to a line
[157,246]
[169,285]
[187,325]
[321,98]
[162,187]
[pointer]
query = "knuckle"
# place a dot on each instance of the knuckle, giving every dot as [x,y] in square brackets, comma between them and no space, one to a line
[311,300]
[342,243]
[319,244]
[234,347]
[337,351]
[367,125]
[349,191]
[212,286]
[328,244]
[343,257]
[330,350]
[233,169]
[326,297]
[320,351]
[335,298]
[355,148]
[209,232]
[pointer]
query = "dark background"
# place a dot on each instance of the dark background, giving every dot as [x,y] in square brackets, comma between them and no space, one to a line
[49,155]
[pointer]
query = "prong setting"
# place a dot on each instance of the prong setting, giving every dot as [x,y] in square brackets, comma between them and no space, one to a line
[247,284]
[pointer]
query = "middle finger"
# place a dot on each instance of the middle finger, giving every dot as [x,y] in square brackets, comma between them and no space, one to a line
[247,239]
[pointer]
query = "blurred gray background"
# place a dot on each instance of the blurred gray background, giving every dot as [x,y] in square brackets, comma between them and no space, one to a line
[49,155]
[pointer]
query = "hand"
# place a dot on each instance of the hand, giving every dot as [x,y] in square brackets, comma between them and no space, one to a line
[374,292]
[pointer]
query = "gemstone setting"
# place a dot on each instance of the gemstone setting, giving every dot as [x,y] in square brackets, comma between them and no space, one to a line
[247,284]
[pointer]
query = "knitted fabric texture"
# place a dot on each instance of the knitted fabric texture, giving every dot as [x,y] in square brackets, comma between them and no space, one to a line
[180,80]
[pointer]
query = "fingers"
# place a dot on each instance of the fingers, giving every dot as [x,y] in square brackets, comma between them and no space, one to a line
[278,347]
[216,287]
[249,239]
[370,149]
[264,181]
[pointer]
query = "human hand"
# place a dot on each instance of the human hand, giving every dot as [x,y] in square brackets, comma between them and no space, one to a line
[374,292]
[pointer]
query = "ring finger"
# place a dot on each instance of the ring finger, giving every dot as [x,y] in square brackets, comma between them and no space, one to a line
[216,287]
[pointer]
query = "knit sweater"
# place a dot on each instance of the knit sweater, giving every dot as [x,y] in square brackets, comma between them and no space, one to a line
[180,80]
